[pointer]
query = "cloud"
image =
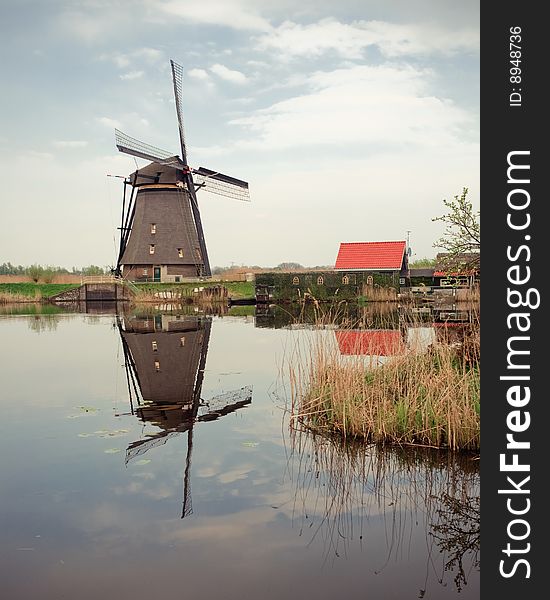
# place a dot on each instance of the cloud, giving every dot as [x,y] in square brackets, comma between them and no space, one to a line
[69,144]
[351,40]
[198,74]
[108,122]
[363,105]
[228,74]
[236,14]
[148,55]
[131,75]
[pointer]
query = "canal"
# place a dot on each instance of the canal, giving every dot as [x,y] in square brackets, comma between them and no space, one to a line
[150,453]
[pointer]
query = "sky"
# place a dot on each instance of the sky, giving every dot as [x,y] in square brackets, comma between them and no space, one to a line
[351,121]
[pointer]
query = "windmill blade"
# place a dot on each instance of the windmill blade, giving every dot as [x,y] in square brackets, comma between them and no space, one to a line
[140,447]
[177,79]
[135,147]
[225,403]
[223,185]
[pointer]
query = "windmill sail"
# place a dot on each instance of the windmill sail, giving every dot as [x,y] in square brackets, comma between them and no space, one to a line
[223,185]
[177,79]
[135,147]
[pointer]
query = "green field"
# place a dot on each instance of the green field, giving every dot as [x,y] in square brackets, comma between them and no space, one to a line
[35,290]
[235,289]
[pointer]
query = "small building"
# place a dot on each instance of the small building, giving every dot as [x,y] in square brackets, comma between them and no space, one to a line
[381,264]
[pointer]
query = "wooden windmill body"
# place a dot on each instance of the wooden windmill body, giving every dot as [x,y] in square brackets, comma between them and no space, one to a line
[162,237]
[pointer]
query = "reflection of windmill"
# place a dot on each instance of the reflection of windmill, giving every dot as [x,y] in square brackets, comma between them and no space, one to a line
[161,230]
[165,357]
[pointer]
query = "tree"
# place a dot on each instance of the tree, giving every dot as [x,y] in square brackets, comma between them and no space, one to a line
[288,266]
[461,239]
[93,270]
[35,272]
[421,263]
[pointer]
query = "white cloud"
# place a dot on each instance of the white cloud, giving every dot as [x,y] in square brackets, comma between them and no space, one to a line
[237,14]
[131,75]
[108,122]
[69,144]
[385,105]
[351,40]
[198,74]
[135,57]
[228,74]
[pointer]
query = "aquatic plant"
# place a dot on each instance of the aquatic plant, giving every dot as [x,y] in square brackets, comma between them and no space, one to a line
[411,394]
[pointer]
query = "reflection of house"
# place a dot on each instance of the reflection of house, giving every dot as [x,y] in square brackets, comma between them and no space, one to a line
[374,342]
[165,358]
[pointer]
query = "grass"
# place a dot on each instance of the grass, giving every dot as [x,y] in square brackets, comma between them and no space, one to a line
[235,289]
[145,292]
[31,292]
[428,398]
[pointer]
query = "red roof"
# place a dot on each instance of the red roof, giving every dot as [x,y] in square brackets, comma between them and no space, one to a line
[378,342]
[370,255]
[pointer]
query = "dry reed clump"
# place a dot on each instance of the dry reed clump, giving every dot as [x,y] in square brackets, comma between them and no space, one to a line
[9,298]
[424,397]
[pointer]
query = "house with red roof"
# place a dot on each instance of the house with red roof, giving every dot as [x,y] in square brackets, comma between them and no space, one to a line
[371,270]
[380,264]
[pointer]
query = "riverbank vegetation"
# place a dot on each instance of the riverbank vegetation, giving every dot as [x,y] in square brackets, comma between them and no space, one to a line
[420,396]
[211,291]
[31,292]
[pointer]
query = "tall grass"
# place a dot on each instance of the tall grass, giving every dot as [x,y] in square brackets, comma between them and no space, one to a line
[416,396]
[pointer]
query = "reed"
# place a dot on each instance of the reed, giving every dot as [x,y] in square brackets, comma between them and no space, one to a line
[11,298]
[419,396]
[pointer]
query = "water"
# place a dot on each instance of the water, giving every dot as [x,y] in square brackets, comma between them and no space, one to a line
[93,495]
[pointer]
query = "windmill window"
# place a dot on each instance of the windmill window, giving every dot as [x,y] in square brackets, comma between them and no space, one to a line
[345,280]
[153,227]
[154,345]
[151,248]
[157,365]
[295,281]
[180,252]
[182,341]
[320,280]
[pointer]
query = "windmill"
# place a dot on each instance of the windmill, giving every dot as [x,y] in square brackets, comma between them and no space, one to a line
[161,233]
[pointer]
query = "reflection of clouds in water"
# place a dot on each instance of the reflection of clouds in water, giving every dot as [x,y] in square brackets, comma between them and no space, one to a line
[420,338]
[235,474]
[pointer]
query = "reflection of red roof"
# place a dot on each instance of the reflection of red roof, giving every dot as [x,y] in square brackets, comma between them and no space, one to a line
[378,342]
[370,255]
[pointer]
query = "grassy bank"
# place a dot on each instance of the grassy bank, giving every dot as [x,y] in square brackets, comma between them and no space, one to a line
[31,292]
[428,398]
[145,292]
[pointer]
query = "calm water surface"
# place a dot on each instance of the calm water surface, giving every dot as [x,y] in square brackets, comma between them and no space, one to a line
[128,471]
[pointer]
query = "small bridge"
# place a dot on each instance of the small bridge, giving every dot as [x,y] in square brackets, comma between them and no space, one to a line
[97,289]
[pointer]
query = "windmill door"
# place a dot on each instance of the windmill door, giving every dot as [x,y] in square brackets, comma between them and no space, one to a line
[156,273]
